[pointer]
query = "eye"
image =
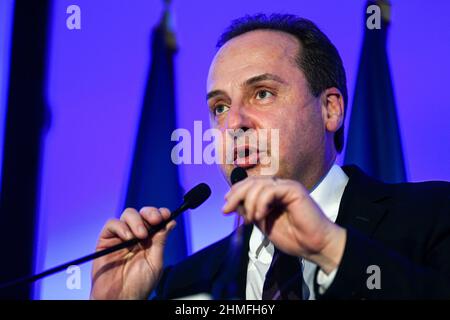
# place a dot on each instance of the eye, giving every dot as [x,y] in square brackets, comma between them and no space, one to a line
[263,94]
[219,109]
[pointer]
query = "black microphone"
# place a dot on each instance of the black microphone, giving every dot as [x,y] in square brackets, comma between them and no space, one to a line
[191,200]
[238,174]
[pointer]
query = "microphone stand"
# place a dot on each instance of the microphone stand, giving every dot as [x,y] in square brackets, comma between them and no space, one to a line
[227,286]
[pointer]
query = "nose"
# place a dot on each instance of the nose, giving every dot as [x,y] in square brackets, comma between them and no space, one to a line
[238,118]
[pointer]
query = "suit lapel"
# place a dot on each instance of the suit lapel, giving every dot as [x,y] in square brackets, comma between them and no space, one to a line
[362,206]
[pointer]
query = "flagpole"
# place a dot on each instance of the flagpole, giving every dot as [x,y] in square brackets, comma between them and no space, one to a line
[166,25]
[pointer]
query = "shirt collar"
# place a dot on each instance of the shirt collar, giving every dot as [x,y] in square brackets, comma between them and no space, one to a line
[327,194]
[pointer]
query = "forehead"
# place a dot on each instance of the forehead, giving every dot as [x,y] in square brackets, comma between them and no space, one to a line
[252,53]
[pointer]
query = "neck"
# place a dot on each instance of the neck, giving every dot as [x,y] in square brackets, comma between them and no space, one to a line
[327,168]
[320,172]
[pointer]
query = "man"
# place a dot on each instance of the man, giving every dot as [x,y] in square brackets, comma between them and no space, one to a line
[313,230]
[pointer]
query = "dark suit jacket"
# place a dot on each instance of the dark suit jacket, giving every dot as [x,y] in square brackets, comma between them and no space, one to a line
[403,229]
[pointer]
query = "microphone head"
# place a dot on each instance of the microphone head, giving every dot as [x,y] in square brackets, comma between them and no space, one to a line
[197,195]
[238,174]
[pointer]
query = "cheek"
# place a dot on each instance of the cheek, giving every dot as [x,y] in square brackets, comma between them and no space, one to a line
[299,131]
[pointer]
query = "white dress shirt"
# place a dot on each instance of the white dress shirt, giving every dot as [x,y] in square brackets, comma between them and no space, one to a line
[327,194]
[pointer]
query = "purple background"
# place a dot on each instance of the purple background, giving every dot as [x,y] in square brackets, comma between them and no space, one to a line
[95,87]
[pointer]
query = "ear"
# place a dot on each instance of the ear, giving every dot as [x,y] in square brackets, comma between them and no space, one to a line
[332,109]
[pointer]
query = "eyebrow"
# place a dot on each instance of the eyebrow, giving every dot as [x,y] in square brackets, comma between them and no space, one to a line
[214,93]
[263,77]
[248,82]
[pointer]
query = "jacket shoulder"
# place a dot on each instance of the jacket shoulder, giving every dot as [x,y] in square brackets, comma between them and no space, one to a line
[441,187]
[412,192]
[430,192]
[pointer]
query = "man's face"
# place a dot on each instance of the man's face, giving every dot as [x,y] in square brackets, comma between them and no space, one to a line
[255,83]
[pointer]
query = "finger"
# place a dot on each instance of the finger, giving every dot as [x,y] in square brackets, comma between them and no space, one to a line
[115,228]
[155,217]
[165,213]
[264,202]
[151,215]
[237,194]
[160,237]
[250,201]
[136,223]
[268,197]
[239,185]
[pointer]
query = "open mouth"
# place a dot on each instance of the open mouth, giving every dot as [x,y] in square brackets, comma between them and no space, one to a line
[246,157]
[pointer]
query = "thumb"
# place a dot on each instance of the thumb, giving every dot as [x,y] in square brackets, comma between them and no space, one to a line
[155,245]
[160,237]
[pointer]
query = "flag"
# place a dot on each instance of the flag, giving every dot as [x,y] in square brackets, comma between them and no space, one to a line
[373,140]
[154,177]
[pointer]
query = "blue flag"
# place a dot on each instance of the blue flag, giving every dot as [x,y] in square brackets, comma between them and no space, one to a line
[154,177]
[373,140]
